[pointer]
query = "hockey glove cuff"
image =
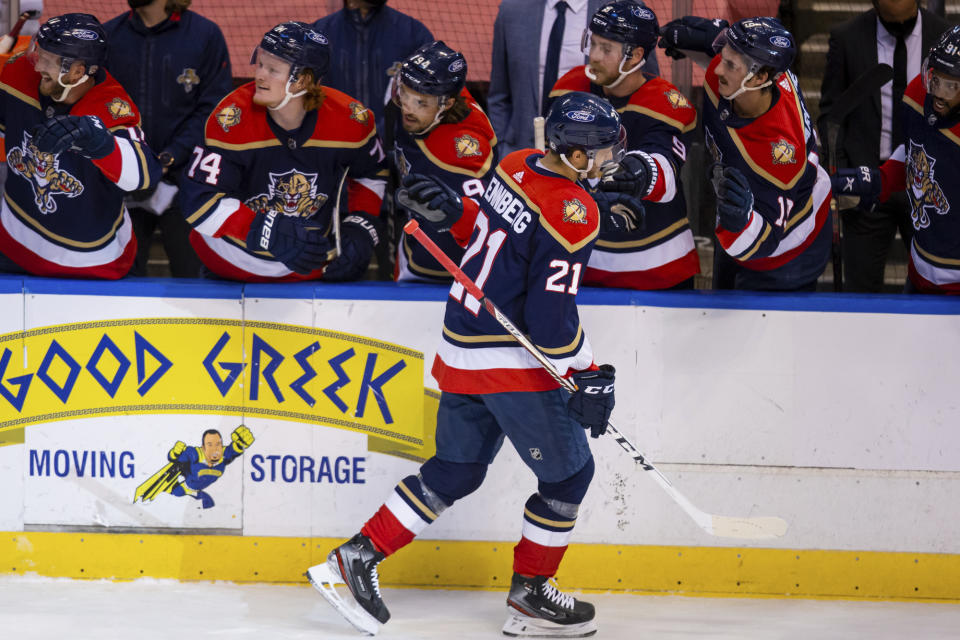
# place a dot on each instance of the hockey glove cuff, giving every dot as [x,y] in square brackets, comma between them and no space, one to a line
[865,182]
[299,244]
[431,201]
[592,402]
[691,33]
[734,200]
[359,235]
[84,135]
[636,174]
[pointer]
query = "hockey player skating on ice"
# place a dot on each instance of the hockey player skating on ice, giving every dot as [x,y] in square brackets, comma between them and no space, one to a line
[530,243]
[261,191]
[656,251]
[435,127]
[773,198]
[926,166]
[192,470]
[74,150]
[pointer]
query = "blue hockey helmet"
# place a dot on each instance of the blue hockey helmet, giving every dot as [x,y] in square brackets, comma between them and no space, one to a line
[298,44]
[763,41]
[580,120]
[74,36]
[944,56]
[436,70]
[625,21]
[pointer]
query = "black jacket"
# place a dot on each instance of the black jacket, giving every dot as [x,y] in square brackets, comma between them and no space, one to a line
[853,50]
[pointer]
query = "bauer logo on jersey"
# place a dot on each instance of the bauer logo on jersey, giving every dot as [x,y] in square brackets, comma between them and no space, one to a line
[574,211]
[923,190]
[359,112]
[466,146]
[676,99]
[188,79]
[119,108]
[228,117]
[43,172]
[783,152]
[291,193]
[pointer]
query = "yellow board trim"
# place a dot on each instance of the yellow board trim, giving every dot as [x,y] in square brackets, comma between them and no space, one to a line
[704,571]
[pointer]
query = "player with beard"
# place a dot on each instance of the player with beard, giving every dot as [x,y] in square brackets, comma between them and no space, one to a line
[924,165]
[443,134]
[652,249]
[261,191]
[74,149]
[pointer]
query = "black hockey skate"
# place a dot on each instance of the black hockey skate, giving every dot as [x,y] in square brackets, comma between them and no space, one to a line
[536,608]
[353,563]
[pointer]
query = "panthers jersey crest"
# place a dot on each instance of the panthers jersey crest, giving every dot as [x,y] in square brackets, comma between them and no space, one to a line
[359,112]
[466,146]
[43,172]
[188,79]
[923,190]
[292,193]
[574,211]
[119,108]
[228,117]
[676,99]
[783,152]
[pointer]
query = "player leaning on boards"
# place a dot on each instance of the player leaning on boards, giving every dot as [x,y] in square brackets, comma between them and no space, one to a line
[261,191]
[442,133]
[529,257]
[655,250]
[926,167]
[773,198]
[74,148]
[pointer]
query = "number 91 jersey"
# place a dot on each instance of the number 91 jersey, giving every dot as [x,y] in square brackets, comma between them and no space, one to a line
[528,251]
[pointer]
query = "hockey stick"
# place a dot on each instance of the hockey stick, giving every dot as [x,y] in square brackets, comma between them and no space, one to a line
[862,88]
[336,209]
[755,528]
[539,137]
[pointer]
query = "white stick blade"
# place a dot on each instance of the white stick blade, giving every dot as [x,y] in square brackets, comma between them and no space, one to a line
[759,528]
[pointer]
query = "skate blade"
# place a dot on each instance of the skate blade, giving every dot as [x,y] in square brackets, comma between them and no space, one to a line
[521,626]
[323,577]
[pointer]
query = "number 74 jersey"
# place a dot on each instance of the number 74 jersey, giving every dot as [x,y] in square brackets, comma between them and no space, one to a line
[528,251]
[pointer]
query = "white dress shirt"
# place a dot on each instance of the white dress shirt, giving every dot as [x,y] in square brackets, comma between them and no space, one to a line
[570,54]
[886,44]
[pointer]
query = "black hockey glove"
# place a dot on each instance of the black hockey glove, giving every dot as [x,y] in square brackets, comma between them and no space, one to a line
[862,181]
[636,174]
[691,33]
[359,235]
[592,402]
[299,244]
[84,135]
[619,212]
[431,201]
[734,200]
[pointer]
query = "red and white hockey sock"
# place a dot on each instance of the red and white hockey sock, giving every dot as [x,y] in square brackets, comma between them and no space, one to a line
[406,513]
[546,534]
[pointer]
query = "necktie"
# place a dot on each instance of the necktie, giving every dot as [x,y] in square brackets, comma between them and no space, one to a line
[552,63]
[899,86]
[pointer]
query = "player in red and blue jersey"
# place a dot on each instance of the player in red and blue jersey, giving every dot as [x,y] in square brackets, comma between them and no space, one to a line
[528,250]
[74,150]
[773,197]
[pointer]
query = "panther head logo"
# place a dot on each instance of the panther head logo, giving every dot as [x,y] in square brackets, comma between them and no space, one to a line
[291,193]
[43,172]
[228,117]
[188,79]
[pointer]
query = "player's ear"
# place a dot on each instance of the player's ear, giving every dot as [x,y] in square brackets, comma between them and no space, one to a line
[78,69]
[636,56]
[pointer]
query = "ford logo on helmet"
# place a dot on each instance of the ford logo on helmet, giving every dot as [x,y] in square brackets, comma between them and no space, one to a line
[456,65]
[642,13]
[317,37]
[580,116]
[84,34]
[780,41]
